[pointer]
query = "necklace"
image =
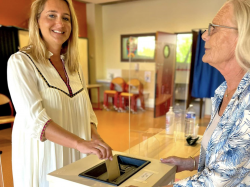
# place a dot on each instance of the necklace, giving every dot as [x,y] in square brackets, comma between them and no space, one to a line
[226,95]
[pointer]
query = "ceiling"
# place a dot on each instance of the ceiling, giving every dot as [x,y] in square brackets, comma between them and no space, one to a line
[105,1]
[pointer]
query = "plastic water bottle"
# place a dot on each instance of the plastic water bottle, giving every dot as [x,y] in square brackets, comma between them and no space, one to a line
[190,121]
[179,129]
[170,117]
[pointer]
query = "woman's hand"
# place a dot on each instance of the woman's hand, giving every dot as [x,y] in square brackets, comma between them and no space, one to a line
[181,163]
[109,154]
[95,146]
[104,149]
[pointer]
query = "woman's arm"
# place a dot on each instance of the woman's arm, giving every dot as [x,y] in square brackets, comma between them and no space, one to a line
[230,154]
[93,120]
[97,146]
[95,136]
[182,163]
[22,82]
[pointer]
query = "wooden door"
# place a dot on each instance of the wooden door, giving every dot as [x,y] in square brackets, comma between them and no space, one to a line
[165,71]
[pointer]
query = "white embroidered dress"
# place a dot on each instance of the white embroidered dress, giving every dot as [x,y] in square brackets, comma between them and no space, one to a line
[39,94]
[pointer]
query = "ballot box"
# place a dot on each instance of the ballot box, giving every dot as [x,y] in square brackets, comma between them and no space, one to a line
[127,166]
[90,171]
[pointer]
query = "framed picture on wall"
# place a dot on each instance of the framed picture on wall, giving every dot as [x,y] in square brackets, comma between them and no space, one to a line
[138,47]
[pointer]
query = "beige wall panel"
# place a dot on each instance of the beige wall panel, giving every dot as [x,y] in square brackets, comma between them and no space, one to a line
[23,38]
[83,51]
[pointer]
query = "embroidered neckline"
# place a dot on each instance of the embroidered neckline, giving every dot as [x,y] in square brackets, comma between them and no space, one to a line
[67,78]
[50,86]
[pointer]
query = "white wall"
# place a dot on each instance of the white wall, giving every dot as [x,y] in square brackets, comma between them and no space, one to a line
[149,16]
[134,17]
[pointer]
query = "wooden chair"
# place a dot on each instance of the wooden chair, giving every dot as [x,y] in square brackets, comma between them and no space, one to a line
[136,92]
[117,86]
[7,119]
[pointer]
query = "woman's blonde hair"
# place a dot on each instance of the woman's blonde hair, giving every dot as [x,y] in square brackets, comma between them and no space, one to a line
[37,48]
[242,17]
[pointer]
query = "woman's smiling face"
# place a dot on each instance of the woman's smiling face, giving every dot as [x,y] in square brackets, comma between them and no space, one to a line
[55,23]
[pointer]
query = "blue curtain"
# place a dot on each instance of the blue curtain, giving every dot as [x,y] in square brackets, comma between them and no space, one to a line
[206,78]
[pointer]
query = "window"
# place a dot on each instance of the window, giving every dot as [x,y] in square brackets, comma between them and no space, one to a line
[139,47]
[184,48]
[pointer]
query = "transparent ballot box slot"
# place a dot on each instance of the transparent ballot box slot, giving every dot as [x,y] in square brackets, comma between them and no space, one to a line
[128,166]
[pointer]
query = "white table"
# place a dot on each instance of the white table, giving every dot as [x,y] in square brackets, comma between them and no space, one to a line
[163,174]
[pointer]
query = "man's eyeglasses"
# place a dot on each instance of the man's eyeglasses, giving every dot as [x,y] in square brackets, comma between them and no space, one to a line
[211,27]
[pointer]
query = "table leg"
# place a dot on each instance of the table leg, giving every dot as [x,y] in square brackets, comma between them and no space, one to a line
[98,100]
[98,90]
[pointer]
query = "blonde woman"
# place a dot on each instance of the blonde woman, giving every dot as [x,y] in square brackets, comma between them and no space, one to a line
[55,124]
[224,158]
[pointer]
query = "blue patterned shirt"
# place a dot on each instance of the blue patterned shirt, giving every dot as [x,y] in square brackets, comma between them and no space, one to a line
[227,158]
